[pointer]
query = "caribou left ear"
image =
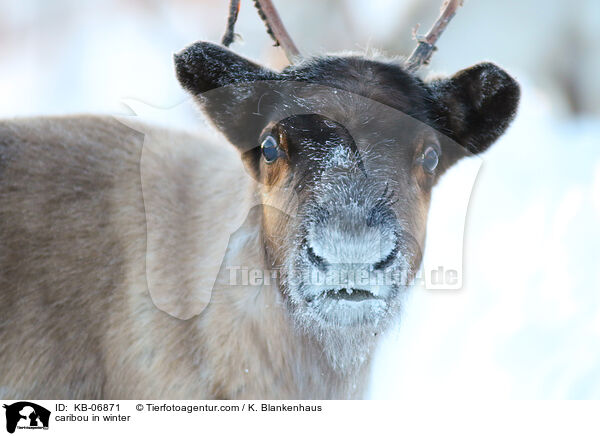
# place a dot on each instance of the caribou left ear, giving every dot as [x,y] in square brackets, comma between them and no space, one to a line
[476,105]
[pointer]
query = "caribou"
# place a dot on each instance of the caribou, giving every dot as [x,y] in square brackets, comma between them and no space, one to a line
[115,285]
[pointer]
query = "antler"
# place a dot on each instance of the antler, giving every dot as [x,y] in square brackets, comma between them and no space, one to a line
[420,56]
[426,46]
[234,10]
[275,27]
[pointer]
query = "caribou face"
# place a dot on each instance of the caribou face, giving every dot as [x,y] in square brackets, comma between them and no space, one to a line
[346,151]
[346,220]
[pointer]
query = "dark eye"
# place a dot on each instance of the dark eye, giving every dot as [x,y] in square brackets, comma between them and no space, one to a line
[430,159]
[270,149]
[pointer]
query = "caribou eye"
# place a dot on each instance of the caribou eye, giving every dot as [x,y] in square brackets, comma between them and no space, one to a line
[430,159]
[270,149]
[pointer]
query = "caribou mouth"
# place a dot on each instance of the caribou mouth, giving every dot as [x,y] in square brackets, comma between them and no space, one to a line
[350,294]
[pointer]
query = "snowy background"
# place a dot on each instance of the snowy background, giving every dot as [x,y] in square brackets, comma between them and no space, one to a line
[526,323]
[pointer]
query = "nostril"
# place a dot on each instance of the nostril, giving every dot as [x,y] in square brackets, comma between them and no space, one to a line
[317,260]
[374,217]
[389,259]
[379,215]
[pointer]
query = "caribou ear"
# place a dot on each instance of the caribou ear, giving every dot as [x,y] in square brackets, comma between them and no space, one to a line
[476,105]
[230,90]
[204,66]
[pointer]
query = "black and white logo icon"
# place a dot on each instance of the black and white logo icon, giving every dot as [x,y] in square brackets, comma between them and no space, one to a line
[26,415]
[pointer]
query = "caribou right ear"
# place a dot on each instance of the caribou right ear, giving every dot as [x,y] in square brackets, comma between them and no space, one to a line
[231,90]
[204,66]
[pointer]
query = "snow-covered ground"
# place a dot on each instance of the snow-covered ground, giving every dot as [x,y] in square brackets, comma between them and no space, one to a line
[526,323]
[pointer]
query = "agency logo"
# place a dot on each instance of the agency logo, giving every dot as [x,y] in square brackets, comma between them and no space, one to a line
[26,415]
